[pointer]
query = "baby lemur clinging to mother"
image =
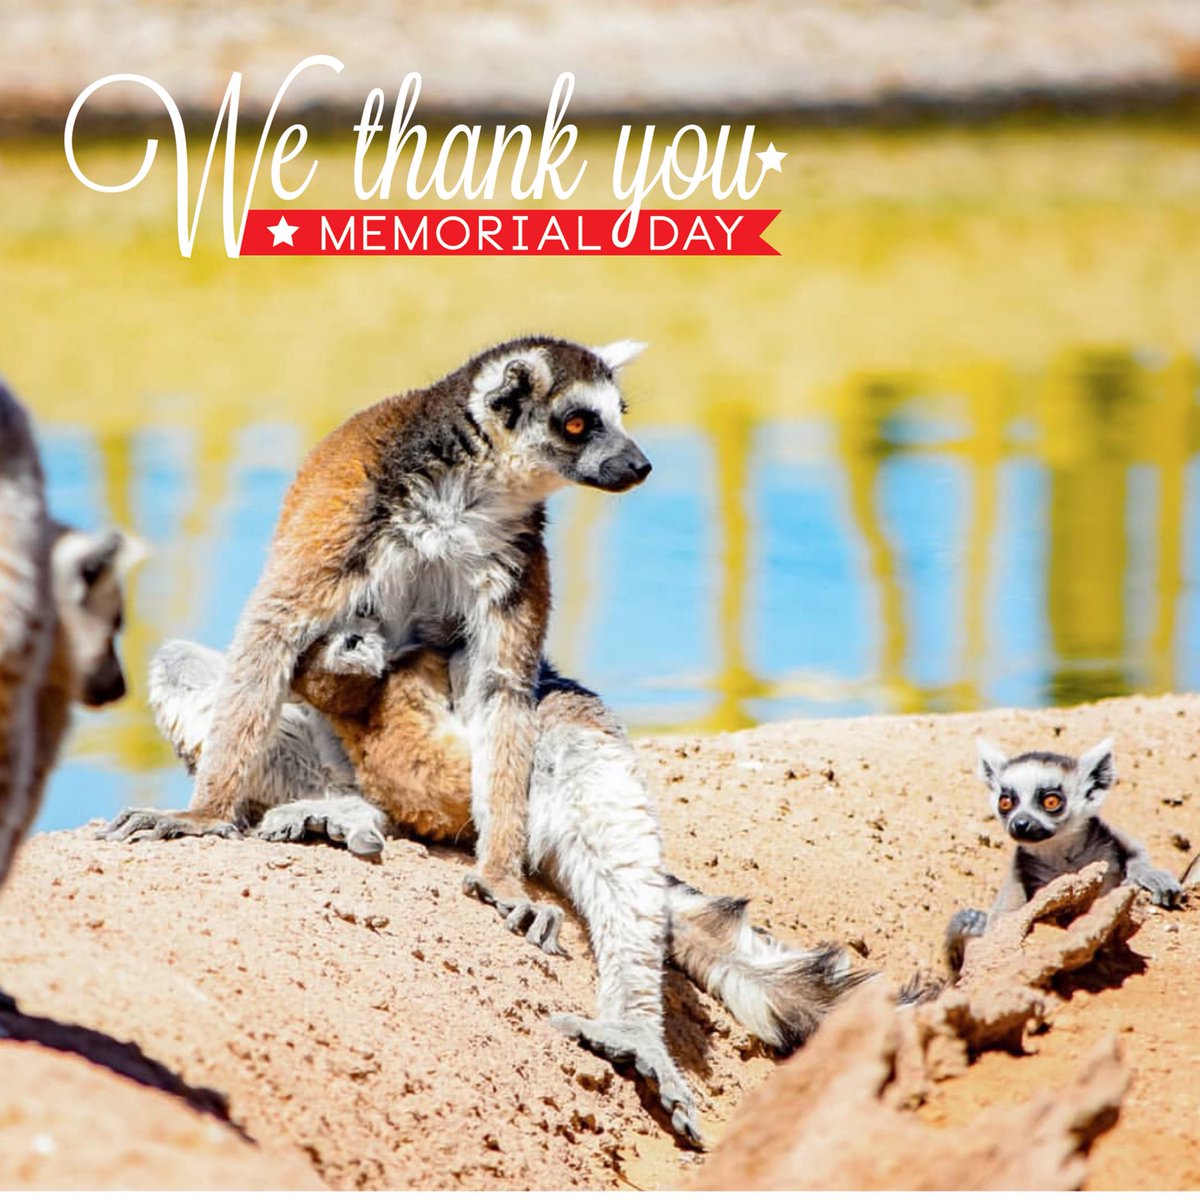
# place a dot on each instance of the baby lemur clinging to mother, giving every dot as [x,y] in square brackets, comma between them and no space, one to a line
[1049,804]
[427,511]
[593,833]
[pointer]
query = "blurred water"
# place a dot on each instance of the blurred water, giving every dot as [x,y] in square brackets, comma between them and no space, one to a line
[940,454]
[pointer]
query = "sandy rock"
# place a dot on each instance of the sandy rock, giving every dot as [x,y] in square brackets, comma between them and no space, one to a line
[67,1122]
[827,1119]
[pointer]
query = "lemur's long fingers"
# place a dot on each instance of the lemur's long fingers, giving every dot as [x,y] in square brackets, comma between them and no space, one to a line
[619,1041]
[543,930]
[152,824]
[125,822]
[473,885]
[539,922]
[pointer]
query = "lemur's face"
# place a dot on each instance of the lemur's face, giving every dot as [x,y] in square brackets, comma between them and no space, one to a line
[1039,796]
[89,599]
[358,647]
[556,411]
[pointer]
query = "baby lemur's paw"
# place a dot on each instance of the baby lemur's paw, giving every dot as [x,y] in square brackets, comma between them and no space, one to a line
[635,1042]
[1163,887]
[349,821]
[156,824]
[540,922]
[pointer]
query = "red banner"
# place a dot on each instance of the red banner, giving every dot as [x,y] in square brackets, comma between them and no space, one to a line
[481,232]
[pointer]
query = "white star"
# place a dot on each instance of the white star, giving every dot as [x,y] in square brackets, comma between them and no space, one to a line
[772,159]
[282,232]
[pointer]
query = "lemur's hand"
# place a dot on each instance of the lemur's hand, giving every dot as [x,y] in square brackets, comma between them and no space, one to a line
[156,824]
[1162,885]
[538,921]
[636,1042]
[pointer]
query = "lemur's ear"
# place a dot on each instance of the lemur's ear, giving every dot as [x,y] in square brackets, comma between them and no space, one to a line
[90,556]
[522,380]
[1095,770]
[992,760]
[618,354]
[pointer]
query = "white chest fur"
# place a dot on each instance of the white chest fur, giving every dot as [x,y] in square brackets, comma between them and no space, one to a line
[448,549]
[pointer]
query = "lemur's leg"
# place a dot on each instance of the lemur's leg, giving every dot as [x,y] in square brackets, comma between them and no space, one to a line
[593,831]
[302,758]
[351,821]
[501,661]
[276,625]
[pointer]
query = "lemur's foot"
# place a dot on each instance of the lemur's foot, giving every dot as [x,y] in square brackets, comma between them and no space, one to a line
[967,923]
[633,1041]
[537,920]
[156,824]
[349,821]
[1163,887]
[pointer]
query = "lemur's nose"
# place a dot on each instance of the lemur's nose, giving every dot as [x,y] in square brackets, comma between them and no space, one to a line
[642,469]
[1022,826]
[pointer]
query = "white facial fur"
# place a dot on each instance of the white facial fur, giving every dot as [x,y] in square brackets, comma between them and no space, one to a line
[525,397]
[1023,790]
[89,571]
[358,647]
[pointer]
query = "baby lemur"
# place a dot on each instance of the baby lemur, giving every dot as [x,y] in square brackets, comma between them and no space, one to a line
[593,833]
[1049,804]
[427,511]
[61,608]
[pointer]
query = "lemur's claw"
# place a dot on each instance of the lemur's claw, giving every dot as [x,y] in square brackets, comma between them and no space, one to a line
[539,922]
[632,1041]
[155,824]
[684,1125]
[543,921]
[349,821]
[1163,887]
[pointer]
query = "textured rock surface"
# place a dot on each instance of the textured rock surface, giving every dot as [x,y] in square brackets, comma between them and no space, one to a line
[829,1119]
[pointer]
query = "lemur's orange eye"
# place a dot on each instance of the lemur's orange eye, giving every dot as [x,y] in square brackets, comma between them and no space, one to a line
[575,425]
[1006,804]
[1052,801]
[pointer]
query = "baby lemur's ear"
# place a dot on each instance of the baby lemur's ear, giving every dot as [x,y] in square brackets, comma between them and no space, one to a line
[618,354]
[992,760]
[1095,771]
[519,381]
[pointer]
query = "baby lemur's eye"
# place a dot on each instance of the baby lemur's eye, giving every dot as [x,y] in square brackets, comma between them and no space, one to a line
[352,642]
[1052,801]
[1006,804]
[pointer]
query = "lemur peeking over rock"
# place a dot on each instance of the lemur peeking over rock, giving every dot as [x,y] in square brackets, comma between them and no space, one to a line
[427,512]
[1049,804]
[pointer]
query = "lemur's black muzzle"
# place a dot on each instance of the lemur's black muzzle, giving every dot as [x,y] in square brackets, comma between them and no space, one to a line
[1026,829]
[105,685]
[623,470]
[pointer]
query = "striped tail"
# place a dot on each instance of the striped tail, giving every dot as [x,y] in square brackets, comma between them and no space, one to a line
[778,992]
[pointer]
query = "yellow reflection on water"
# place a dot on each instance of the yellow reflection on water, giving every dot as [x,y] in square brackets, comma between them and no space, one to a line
[1031,290]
